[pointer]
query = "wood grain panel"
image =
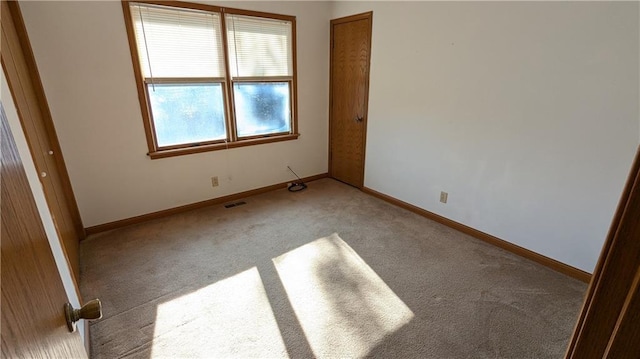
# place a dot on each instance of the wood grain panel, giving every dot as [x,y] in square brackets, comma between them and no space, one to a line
[350,55]
[33,323]
[28,94]
[626,336]
[608,321]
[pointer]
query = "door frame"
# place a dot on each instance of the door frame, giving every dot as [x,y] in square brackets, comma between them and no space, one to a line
[25,44]
[338,21]
[25,85]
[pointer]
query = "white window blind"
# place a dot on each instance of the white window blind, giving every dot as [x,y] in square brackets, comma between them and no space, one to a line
[259,47]
[178,42]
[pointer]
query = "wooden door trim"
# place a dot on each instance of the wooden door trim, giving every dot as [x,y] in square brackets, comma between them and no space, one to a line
[25,44]
[342,20]
[350,18]
[613,279]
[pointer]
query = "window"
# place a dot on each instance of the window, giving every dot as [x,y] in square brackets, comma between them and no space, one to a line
[210,77]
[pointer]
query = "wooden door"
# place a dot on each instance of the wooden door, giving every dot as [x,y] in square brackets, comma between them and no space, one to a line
[609,324]
[350,57]
[33,297]
[28,94]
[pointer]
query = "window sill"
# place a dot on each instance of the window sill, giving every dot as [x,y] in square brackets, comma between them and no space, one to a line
[221,146]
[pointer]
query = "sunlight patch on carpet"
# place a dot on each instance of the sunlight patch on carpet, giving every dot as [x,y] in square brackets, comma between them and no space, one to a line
[343,306]
[231,318]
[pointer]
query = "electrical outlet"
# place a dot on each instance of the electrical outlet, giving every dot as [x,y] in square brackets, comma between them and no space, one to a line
[214,181]
[443,197]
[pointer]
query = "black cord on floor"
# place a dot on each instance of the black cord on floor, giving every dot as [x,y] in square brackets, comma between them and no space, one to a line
[296,186]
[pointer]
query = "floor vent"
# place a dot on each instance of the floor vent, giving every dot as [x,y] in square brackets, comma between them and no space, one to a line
[234,204]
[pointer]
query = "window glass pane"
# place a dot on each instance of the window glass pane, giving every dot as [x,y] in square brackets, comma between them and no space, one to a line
[187,113]
[262,108]
[259,47]
[176,42]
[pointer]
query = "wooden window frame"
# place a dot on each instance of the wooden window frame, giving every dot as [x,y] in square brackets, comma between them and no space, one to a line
[232,140]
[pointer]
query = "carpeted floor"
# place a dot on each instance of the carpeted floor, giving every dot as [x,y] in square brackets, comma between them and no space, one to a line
[329,272]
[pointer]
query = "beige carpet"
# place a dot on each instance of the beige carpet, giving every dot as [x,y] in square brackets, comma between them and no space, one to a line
[329,272]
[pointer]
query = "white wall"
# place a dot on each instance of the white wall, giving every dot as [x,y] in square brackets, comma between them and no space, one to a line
[41,203]
[525,113]
[83,56]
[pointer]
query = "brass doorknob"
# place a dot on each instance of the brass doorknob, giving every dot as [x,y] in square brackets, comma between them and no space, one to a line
[90,310]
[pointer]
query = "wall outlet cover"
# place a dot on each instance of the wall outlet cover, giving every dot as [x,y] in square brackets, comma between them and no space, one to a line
[443,197]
